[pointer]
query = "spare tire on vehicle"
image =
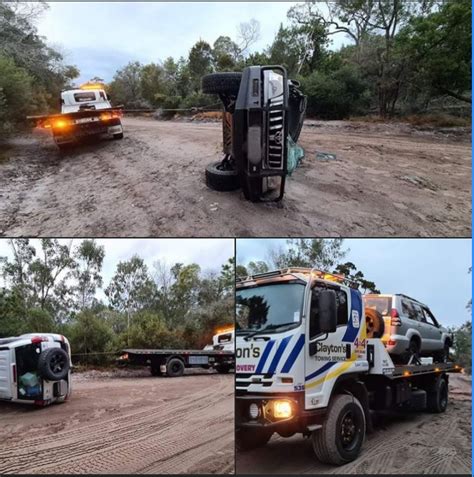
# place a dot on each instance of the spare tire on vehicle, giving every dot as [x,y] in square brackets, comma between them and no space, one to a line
[220,178]
[374,323]
[221,83]
[53,364]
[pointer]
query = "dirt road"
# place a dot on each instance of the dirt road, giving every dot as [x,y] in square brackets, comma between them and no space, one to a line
[131,424]
[401,444]
[387,180]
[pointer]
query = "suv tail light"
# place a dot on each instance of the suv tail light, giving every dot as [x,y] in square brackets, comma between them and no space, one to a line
[38,339]
[395,318]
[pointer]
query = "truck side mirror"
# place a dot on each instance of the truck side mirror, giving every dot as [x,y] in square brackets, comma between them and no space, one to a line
[327,311]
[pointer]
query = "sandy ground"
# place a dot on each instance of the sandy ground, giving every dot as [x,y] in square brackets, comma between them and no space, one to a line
[129,424]
[387,180]
[415,443]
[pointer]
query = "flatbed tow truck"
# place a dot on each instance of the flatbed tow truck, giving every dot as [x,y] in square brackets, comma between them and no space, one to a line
[304,364]
[219,355]
[85,112]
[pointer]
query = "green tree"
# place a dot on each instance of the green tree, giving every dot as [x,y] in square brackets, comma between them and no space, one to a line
[321,253]
[199,63]
[89,337]
[463,345]
[126,86]
[131,288]
[256,267]
[89,258]
[349,270]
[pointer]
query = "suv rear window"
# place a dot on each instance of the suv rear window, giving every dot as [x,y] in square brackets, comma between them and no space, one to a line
[382,304]
[84,97]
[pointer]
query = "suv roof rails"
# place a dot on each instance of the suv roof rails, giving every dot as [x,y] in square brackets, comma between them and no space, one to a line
[304,270]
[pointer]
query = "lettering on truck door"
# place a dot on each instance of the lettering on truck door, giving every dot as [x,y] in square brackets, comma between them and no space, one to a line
[336,353]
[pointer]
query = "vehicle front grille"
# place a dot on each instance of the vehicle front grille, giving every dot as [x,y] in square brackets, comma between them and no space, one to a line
[275,133]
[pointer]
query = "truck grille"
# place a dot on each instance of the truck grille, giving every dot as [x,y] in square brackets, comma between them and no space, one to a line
[276,133]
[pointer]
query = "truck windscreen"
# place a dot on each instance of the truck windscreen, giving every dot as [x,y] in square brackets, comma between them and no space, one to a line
[269,307]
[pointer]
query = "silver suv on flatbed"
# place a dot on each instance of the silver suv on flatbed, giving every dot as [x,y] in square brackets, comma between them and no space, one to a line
[409,328]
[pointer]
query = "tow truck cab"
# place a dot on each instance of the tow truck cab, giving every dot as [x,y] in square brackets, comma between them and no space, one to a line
[304,364]
[35,369]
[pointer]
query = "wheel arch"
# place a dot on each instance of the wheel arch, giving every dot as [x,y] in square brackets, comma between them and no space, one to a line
[351,384]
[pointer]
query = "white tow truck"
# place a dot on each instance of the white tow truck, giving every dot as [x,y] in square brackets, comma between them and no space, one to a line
[85,111]
[35,369]
[305,364]
[220,355]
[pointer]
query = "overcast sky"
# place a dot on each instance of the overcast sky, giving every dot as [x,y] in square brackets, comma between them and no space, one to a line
[209,254]
[101,37]
[433,271]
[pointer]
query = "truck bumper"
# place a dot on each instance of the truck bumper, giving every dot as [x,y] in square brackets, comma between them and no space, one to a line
[299,421]
[76,132]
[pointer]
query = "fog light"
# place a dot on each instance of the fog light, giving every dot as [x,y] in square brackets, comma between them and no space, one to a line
[282,409]
[253,411]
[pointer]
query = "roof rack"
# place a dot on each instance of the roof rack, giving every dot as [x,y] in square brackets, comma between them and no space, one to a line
[303,270]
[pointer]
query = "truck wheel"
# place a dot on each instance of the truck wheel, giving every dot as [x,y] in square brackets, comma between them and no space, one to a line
[221,179]
[248,439]
[118,136]
[374,323]
[223,369]
[343,432]
[175,368]
[221,83]
[437,398]
[53,364]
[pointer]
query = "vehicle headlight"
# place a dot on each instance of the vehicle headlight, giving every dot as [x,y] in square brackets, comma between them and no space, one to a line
[282,409]
[253,411]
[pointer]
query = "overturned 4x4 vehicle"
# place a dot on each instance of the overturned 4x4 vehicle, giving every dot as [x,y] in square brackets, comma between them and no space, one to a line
[262,120]
[35,368]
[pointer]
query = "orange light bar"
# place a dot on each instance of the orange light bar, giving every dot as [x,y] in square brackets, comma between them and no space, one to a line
[227,329]
[406,373]
[89,86]
[60,124]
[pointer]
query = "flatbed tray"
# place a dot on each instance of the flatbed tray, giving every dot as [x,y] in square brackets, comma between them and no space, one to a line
[75,114]
[201,352]
[405,370]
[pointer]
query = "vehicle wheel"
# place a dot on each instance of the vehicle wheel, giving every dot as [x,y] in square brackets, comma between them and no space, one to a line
[374,323]
[218,178]
[443,356]
[343,432]
[223,369]
[175,368]
[53,364]
[221,83]
[437,398]
[118,136]
[248,439]
[413,350]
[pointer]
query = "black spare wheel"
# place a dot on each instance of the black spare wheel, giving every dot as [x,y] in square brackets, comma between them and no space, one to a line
[53,364]
[374,323]
[221,176]
[222,83]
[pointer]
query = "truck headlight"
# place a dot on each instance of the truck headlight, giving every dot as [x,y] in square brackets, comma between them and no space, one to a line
[282,409]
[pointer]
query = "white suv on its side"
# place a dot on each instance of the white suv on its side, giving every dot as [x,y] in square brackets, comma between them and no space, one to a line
[409,329]
[35,368]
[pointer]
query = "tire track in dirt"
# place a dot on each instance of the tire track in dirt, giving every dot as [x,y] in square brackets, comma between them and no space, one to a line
[136,440]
